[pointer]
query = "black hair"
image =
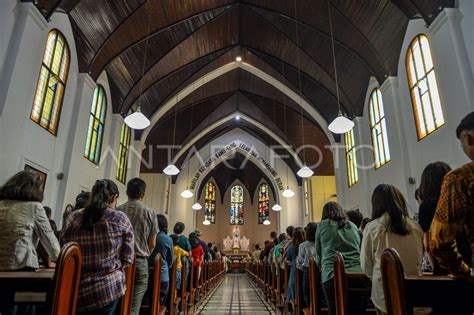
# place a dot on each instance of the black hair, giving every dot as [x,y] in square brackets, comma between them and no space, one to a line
[179,228]
[23,186]
[364,223]
[174,238]
[81,200]
[48,211]
[257,247]
[333,211]
[432,179]
[193,240]
[209,245]
[162,223]
[276,241]
[282,237]
[102,194]
[388,199]
[289,230]
[467,123]
[417,194]
[266,242]
[311,229]
[136,187]
[273,234]
[355,217]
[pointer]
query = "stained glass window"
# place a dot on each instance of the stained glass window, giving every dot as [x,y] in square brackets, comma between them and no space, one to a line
[423,87]
[95,131]
[125,136]
[378,129]
[351,161]
[51,83]
[263,203]
[210,203]
[237,205]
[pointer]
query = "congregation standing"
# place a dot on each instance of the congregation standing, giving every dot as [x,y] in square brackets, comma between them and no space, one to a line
[111,237]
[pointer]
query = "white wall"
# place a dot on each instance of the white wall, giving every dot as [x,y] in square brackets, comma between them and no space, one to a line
[410,156]
[25,142]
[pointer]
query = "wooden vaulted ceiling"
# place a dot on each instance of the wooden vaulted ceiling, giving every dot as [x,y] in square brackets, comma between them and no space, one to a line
[151,49]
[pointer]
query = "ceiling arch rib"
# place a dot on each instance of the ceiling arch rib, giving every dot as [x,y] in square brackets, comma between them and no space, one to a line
[198,83]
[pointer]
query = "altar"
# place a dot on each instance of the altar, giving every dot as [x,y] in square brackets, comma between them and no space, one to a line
[237,251]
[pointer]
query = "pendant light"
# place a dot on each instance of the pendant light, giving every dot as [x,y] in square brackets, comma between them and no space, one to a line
[188,193]
[137,120]
[287,193]
[341,124]
[276,207]
[304,171]
[206,222]
[197,206]
[171,169]
[266,222]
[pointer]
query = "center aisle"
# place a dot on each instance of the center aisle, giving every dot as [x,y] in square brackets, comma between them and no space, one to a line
[235,295]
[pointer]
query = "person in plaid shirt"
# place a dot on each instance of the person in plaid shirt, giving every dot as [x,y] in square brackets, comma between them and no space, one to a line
[106,239]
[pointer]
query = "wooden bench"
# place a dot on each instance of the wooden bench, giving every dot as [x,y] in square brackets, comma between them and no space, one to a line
[173,298]
[154,307]
[404,293]
[184,293]
[317,303]
[125,306]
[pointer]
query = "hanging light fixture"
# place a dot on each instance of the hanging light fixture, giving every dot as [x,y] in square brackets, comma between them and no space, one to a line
[305,172]
[206,222]
[171,169]
[276,207]
[341,124]
[266,222]
[197,206]
[137,120]
[288,193]
[187,193]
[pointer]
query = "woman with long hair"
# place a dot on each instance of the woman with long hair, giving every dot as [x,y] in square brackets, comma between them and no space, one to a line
[107,244]
[335,233]
[306,250]
[390,227]
[23,222]
[297,238]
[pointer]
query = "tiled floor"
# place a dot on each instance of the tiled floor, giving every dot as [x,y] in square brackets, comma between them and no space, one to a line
[236,295]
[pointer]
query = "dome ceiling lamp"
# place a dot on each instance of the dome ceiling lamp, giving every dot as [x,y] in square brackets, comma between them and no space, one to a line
[187,193]
[136,120]
[304,171]
[340,124]
[276,207]
[206,222]
[197,206]
[171,169]
[266,222]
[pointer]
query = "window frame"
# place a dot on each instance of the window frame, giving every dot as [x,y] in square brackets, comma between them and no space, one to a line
[92,119]
[351,151]
[381,123]
[267,217]
[412,85]
[214,201]
[60,81]
[242,203]
[123,153]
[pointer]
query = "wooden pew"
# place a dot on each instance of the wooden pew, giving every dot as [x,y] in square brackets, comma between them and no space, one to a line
[173,298]
[297,302]
[66,280]
[156,308]
[125,306]
[191,286]
[350,286]
[283,306]
[184,294]
[315,291]
[404,293]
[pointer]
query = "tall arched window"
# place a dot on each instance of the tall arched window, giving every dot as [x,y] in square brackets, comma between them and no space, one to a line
[351,161]
[125,137]
[237,205]
[378,129]
[263,203]
[210,203]
[95,131]
[423,87]
[51,83]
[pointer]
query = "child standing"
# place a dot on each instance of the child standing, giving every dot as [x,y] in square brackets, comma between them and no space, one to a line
[178,253]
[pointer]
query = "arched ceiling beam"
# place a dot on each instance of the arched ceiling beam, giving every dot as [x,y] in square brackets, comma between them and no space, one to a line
[251,69]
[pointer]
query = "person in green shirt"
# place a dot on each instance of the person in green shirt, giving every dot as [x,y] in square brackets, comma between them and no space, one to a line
[335,233]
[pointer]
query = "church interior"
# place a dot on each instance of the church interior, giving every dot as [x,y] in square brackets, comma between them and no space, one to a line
[236,157]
